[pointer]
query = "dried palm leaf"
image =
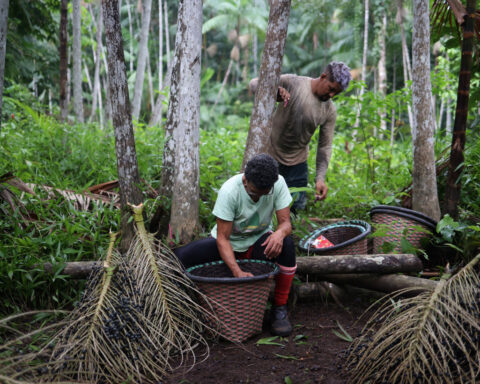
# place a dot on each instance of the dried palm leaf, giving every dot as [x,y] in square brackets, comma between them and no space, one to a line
[431,338]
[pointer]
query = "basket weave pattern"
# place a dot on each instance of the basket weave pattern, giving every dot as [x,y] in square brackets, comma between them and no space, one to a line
[348,237]
[338,235]
[399,227]
[238,307]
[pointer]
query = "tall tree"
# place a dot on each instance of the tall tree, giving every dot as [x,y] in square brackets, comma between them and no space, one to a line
[142,57]
[424,179]
[97,92]
[77,60]
[63,59]
[455,164]
[181,151]
[364,60]
[382,68]
[3,47]
[407,68]
[270,70]
[127,166]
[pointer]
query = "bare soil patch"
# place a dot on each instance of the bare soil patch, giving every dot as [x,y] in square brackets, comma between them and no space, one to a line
[313,353]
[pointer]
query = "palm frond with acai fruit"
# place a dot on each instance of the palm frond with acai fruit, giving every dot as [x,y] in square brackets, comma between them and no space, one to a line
[136,318]
[430,338]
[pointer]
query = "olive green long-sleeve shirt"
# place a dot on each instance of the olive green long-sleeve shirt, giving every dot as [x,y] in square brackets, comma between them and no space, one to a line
[295,124]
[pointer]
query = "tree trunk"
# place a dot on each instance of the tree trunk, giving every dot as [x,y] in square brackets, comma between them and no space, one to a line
[424,176]
[270,70]
[364,64]
[455,164]
[157,109]
[3,48]
[127,166]
[142,58]
[63,59]
[97,94]
[382,71]
[184,119]
[160,46]
[407,70]
[380,263]
[77,60]
[130,30]
[167,32]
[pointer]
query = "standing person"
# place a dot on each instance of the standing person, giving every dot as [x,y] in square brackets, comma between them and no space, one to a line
[244,209]
[306,105]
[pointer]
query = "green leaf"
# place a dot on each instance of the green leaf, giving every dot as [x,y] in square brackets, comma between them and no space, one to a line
[344,335]
[288,380]
[269,341]
[287,357]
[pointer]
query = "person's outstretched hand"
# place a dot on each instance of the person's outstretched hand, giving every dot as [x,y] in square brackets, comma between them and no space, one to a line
[321,190]
[273,245]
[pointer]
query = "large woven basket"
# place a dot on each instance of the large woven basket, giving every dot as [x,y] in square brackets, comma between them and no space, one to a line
[401,223]
[349,238]
[238,304]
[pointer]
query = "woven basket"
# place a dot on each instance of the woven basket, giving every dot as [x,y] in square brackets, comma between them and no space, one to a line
[402,223]
[348,237]
[238,304]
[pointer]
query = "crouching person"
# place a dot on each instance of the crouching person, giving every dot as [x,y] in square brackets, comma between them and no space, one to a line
[244,209]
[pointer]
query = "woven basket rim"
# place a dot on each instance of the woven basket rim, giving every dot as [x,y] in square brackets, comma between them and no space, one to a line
[304,243]
[407,211]
[232,280]
[419,220]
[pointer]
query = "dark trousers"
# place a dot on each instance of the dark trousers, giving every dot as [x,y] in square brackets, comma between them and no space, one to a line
[206,250]
[296,176]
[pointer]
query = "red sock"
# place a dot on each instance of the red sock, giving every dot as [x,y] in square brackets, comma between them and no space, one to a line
[283,284]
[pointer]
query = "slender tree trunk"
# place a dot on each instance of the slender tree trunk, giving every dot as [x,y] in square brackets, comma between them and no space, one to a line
[407,70]
[270,70]
[127,166]
[87,75]
[184,119]
[150,82]
[97,94]
[382,71]
[158,108]
[167,32]
[3,48]
[160,46]
[364,62]
[424,177]
[455,164]
[142,58]
[63,59]
[77,61]
[448,117]
[130,30]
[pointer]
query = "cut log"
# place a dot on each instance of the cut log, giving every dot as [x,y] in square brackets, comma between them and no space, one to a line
[75,269]
[379,263]
[382,283]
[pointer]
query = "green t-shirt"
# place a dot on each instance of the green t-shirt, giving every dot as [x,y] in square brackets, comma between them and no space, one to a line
[250,219]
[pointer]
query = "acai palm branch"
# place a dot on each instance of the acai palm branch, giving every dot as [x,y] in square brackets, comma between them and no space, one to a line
[433,337]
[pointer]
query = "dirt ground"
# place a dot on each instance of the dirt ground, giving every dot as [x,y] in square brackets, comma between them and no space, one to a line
[313,353]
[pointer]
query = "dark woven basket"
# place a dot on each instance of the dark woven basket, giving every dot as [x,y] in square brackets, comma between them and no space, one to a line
[238,303]
[402,223]
[348,237]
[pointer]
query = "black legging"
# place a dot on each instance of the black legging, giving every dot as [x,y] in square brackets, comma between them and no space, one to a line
[206,250]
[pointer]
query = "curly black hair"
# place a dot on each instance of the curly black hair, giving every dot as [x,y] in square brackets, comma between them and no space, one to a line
[262,171]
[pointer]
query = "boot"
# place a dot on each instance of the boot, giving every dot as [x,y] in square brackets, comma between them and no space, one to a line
[280,325]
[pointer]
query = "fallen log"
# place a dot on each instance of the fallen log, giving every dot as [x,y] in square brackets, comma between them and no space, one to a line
[75,269]
[346,264]
[382,283]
